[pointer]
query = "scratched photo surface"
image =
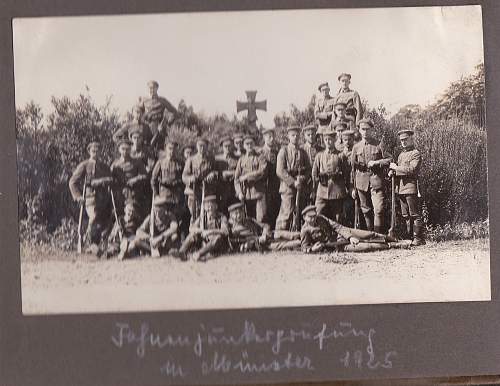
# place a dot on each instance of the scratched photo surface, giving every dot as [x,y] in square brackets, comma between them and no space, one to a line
[286,158]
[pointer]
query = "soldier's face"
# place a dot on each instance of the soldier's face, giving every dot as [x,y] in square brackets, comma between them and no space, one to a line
[407,142]
[340,111]
[94,152]
[348,140]
[211,207]
[345,82]
[226,147]
[188,152]
[153,90]
[169,150]
[309,136]
[309,217]
[238,143]
[124,150]
[201,147]
[129,212]
[269,138]
[365,134]
[136,140]
[237,215]
[293,137]
[329,141]
[325,91]
[248,145]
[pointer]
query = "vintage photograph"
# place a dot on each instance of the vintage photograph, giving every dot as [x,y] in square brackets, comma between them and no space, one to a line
[251,159]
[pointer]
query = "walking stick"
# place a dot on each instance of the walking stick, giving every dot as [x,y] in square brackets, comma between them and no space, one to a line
[392,230]
[155,252]
[120,231]
[296,216]
[80,217]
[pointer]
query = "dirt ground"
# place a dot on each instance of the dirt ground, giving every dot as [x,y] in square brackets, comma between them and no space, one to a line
[60,282]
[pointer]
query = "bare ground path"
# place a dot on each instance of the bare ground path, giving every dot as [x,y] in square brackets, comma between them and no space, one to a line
[59,282]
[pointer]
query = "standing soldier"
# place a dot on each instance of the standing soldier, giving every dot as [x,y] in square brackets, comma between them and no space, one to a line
[293,169]
[208,233]
[163,234]
[270,153]
[312,148]
[226,166]
[323,111]
[349,207]
[135,124]
[140,150]
[351,98]
[199,172]
[238,145]
[250,182]
[130,179]
[368,160]
[406,171]
[331,170]
[157,109]
[166,179]
[339,127]
[96,177]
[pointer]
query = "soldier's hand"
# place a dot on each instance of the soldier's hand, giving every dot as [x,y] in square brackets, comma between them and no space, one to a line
[354,194]
[317,247]
[241,196]
[372,163]
[353,240]
[393,166]
[391,173]
[262,239]
[297,183]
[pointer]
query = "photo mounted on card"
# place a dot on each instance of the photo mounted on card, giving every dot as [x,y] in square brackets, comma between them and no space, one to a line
[229,160]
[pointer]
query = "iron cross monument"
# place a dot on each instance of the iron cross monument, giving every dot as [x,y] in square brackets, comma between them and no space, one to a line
[252,106]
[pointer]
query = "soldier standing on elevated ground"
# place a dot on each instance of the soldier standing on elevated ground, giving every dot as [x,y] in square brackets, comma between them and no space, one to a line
[406,171]
[323,111]
[351,98]
[96,176]
[368,160]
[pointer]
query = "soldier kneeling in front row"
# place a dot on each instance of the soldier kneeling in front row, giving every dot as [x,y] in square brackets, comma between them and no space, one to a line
[245,233]
[208,234]
[319,233]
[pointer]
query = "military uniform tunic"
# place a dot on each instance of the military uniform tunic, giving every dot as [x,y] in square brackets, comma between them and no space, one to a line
[270,155]
[130,180]
[324,106]
[353,103]
[226,166]
[166,180]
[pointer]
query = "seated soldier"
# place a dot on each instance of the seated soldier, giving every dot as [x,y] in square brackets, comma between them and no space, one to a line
[245,233]
[161,236]
[208,233]
[122,238]
[320,233]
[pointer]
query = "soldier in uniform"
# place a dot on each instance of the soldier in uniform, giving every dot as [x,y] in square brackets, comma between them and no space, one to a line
[246,234]
[339,109]
[348,210]
[351,98]
[166,180]
[293,169]
[96,177]
[238,145]
[187,151]
[164,233]
[130,179]
[226,166]
[320,233]
[406,171]
[140,150]
[312,148]
[339,127]
[135,125]
[199,172]
[157,109]
[250,181]
[270,153]
[368,160]
[323,111]
[208,233]
[127,225]
[331,170]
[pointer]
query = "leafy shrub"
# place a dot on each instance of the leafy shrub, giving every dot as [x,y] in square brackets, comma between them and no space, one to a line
[463,231]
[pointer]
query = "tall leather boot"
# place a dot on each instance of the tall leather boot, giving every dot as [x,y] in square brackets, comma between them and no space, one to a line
[418,233]
[409,228]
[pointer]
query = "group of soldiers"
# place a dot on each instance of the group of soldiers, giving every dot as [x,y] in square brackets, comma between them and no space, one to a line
[158,199]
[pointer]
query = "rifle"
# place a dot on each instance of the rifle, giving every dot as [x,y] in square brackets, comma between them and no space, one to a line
[120,230]
[202,209]
[296,216]
[356,212]
[154,251]
[392,231]
[80,217]
[243,187]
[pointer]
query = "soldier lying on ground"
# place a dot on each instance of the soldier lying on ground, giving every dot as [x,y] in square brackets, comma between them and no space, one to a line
[124,244]
[208,234]
[319,233]
[163,236]
[245,233]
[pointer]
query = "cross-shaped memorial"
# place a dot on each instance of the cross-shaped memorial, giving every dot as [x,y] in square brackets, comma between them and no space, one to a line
[252,106]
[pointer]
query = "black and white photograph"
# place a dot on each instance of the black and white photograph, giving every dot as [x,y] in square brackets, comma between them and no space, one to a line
[251,159]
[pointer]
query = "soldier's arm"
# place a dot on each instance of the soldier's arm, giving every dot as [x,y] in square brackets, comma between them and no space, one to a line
[359,107]
[412,168]
[171,229]
[143,231]
[259,173]
[195,227]
[316,168]
[237,174]
[78,175]
[281,168]
[386,157]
